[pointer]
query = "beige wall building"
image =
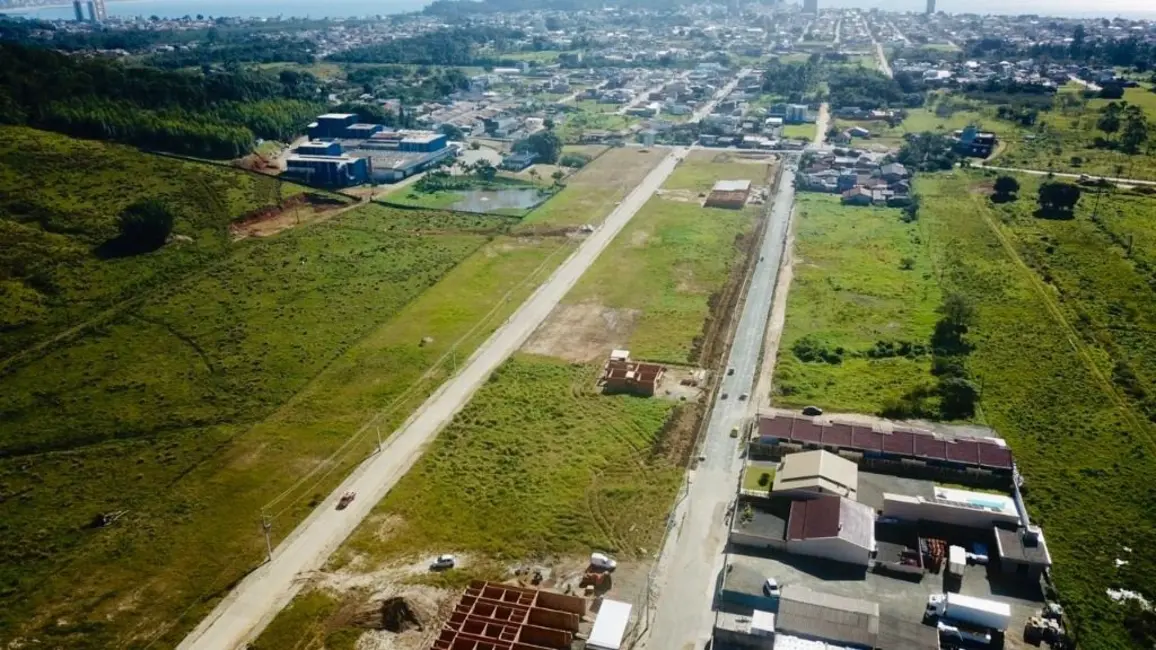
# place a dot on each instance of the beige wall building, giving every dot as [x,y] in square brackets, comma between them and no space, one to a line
[817,473]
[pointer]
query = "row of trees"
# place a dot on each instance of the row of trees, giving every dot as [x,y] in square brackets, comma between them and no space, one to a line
[215,114]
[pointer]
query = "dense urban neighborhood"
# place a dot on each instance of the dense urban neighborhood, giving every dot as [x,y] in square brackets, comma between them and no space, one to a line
[547,326]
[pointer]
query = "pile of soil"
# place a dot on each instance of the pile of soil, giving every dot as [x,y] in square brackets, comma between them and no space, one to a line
[394,614]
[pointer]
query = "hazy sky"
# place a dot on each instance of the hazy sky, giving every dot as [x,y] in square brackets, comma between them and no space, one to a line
[1050,7]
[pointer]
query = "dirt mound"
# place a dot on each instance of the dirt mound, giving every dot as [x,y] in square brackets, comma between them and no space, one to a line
[395,614]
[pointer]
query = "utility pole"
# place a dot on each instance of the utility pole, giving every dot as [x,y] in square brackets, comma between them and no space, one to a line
[266,526]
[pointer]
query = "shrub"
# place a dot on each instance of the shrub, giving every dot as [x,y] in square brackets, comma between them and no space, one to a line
[764,479]
[574,160]
[145,225]
[810,350]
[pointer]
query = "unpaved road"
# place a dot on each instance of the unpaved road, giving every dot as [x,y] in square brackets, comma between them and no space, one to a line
[690,563]
[1048,172]
[246,611]
[822,123]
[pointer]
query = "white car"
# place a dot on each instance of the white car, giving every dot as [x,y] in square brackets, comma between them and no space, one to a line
[443,562]
[771,587]
[602,561]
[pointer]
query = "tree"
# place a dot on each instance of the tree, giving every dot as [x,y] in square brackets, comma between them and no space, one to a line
[957,397]
[558,175]
[957,310]
[1135,131]
[1109,121]
[545,144]
[145,225]
[452,132]
[1005,189]
[1058,199]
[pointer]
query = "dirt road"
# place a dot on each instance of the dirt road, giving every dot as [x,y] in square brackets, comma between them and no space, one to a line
[259,597]
[822,123]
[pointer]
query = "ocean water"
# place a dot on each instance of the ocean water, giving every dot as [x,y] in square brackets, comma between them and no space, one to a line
[241,8]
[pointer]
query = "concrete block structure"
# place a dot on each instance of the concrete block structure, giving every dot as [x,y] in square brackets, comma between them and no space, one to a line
[622,375]
[319,148]
[493,616]
[329,171]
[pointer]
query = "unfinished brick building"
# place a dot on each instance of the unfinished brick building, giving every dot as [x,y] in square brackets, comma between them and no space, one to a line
[622,375]
[493,616]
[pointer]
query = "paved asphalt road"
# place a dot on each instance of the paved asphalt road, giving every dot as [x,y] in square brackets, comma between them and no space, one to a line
[253,603]
[690,564]
[257,599]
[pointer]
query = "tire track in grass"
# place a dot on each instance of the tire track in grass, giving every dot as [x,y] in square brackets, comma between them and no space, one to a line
[1070,333]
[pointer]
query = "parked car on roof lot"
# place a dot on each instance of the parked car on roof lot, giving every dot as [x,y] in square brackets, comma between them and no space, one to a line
[771,587]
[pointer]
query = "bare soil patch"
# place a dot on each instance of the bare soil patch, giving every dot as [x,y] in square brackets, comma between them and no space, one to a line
[294,211]
[582,333]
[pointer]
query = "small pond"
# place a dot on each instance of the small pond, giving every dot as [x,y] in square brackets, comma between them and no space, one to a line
[515,198]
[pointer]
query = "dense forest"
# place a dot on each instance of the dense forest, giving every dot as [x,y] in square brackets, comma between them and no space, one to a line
[214,114]
[456,46]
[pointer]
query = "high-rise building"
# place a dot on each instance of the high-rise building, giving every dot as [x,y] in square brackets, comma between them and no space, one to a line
[930,7]
[78,8]
[810,6]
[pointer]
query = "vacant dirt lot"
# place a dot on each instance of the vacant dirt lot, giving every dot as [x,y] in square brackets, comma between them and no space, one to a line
[583,332]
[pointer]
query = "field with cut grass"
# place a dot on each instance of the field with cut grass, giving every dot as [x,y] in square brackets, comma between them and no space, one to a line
[244,390]
[799,131]
[594,190]
[1060,304]
[702,169]
[861,276]
[59,202]
[592,116]
[668,264]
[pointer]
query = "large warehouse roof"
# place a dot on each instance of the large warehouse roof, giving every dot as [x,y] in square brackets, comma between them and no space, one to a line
[907,443]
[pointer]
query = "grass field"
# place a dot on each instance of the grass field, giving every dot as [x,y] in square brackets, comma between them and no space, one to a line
[53,221]
[799,131]
[592,193]
[679,254]
[702,169]
[1064,141]
[1059,305]
[227,396]
[920,120]
[850,290]
[540,464]
[592,116]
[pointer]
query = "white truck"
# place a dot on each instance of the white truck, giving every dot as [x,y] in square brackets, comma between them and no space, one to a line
[979,612]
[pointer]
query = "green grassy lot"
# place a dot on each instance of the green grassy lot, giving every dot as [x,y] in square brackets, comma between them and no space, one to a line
[562,489]
[245,390]
[753,473]
[540,464]
[53,221]
[1063,141]
[591,194]
[799,131]
[592,117]
[702,169]
[1059,304]
[920,120]
[851,290]
[679,254]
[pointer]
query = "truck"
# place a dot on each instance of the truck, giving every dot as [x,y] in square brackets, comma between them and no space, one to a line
[979,612]
[957,633]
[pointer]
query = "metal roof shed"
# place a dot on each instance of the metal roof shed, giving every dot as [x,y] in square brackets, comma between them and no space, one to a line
[610,626]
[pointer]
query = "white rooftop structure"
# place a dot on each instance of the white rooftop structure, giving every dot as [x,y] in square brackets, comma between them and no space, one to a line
[731,186]
[610,626]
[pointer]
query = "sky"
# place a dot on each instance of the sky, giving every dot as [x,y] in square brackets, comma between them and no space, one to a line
[1107,8]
